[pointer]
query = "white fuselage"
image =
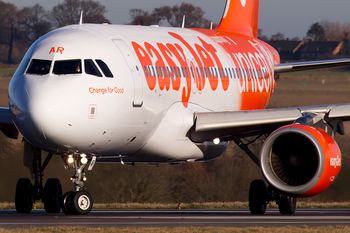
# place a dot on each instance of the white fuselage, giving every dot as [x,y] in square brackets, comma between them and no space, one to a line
[143,115]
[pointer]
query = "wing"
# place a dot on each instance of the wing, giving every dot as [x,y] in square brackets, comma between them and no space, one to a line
[300,66]
[6,124]
[223,125]
[210,125]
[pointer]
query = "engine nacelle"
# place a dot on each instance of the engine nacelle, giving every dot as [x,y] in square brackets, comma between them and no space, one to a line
[300,160]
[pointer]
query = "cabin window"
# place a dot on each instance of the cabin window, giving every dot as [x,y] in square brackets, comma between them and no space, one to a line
[67,67]
[251,74]
[229,70]
[164,71]
[178,69]
[146,72]
[161,72]
[171,73]
[260,77]
[144,67]
[106,71]
[150,71]
[173,70]
[202,72]
[247,73]
[198,74]
[40,67]
[237,75]
[191,71]
[157,71]
[264,73]
[183,72]
[241,75]
[206,73]
[90,68]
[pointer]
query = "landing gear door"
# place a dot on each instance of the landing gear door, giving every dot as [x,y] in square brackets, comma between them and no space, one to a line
[135,70]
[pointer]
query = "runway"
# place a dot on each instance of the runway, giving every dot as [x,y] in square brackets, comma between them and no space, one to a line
[177,218]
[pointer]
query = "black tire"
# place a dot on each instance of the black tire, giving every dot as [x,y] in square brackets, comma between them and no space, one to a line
[257,197]
[67,203]
[52,197]
[287,205]
[24,195]
[82,202]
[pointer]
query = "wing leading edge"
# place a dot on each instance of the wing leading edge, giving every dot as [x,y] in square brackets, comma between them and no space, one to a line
[209,125]
[6,124]
[310,65]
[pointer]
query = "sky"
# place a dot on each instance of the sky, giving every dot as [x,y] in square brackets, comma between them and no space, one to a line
[292,18]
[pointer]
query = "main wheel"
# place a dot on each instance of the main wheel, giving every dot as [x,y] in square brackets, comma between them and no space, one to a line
[82,202]
[286,204]
[67,203]
[24,195]
[52,197]
[257,197]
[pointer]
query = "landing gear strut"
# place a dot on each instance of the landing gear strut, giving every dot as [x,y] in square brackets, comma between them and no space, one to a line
[260,195]
[27,193]
[78,202]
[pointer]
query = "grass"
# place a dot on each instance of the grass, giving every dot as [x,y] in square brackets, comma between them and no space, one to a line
[337,229]
[8,70]
[208,205]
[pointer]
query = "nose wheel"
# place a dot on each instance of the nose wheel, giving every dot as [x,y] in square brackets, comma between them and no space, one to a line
[77,203]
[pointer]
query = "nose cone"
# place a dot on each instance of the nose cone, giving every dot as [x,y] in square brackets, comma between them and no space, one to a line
[21,96]
[37,109]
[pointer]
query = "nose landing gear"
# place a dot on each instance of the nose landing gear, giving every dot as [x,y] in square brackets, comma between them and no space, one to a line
[78,202]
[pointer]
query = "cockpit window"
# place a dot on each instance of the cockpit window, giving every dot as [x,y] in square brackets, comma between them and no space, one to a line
[40,67]
[104,68]
[67,67]
[90,68]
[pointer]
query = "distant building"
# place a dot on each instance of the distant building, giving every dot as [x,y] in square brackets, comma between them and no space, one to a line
[318,50]
[287,49]
[306,50]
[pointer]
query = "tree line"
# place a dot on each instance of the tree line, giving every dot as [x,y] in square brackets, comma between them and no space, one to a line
[324,30]
[319,31]
[20,27]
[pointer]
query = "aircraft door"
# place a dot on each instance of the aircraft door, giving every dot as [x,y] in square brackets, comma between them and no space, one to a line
[135,70]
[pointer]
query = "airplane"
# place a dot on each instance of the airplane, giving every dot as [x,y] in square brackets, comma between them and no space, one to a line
[147,94]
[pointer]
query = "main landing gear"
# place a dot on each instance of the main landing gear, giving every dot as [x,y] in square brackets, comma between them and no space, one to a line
[78,202]
[260,195]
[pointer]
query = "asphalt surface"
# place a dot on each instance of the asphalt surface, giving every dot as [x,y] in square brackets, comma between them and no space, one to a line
[177,218]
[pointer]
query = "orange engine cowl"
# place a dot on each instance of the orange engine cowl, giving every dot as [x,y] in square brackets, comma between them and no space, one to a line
[300,160]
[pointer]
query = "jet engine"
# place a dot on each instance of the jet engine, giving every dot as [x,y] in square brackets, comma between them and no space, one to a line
[300,160]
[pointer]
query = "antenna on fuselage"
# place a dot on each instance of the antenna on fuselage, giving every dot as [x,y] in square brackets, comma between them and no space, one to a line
[211,25]
[183,21]
[81,18]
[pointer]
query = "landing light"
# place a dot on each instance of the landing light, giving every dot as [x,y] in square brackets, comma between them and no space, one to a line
[216,141]
[70,159]
[84,160]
